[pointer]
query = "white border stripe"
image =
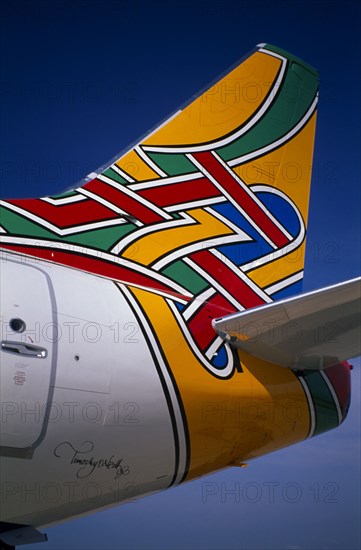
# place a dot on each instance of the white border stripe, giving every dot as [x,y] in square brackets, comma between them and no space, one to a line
[154,228]
[268,148]
[104,202]
[197,302]
[185,251]
[212,350]
[165,181]
[119,171]
[64,200]
[239,236]
[55,229]
[272,289]
[310,405]
[238,230]
[214,284]
[252,195]
[152,165]
[136,197]
[231,200]
[239,273]
[334,395]
[289,247]
[195,204]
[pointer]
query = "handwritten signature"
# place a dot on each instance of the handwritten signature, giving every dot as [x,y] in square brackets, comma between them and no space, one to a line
[87,466]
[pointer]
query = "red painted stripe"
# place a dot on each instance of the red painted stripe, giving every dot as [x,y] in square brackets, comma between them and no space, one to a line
[340,378]
[240,195]
[178,193]
[96,266]
[67,215]
[200,324]
[120,199]
[219,270]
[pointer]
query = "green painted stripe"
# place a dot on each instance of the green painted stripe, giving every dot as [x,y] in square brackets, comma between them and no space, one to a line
[65,195]
[103,238]
[17,225]
[183,274]
[295,97]
[173,164]
[112,174]
[292,58]
[325,408]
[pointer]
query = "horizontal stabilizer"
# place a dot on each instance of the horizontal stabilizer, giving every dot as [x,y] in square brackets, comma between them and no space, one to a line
[310,331]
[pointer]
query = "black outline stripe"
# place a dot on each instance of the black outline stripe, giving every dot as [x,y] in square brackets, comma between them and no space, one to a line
[298,375]
[284,279]
[173,148]
[264,153]
[165,389]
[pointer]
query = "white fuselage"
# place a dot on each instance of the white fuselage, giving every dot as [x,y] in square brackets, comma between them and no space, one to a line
[90,424]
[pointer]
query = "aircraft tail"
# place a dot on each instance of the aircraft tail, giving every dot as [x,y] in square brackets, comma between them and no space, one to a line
[210,208]
[208,211]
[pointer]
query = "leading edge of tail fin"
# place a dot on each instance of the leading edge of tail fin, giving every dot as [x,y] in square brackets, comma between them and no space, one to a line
[213,204]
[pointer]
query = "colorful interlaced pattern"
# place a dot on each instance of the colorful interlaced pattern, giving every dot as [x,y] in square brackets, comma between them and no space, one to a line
[186,220]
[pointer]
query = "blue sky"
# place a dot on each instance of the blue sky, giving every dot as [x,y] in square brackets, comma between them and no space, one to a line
[82,80]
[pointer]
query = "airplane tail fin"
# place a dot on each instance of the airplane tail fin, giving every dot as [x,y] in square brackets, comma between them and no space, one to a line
[211,205]
[209,210]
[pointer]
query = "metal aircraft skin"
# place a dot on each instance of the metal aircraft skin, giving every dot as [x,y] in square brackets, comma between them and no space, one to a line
[145,308]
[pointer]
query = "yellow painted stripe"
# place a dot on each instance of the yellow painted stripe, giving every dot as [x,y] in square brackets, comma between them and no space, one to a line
[151,247]
[254,412]
[135,166]
[279,269]
[224,107]
[288,168]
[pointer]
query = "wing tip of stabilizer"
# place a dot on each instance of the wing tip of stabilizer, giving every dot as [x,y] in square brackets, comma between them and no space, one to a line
[311,331]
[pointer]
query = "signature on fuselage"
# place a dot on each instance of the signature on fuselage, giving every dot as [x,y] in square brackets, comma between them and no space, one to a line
[87,465]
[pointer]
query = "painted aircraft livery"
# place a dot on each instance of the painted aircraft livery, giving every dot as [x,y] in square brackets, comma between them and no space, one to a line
[120,372]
